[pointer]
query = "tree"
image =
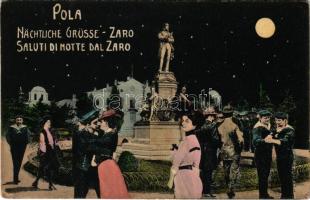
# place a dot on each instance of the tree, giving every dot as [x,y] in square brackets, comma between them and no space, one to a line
[84,104]
[59,115]
[264,100]
[288,105]
[243,104]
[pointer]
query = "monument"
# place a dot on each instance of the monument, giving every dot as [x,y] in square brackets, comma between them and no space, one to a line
[157,130]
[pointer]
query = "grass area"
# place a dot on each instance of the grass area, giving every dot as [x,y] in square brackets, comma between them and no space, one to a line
[152,176]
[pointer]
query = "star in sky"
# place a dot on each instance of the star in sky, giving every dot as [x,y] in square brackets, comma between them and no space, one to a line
[25,58]
[67,65]
[142,25]
[191,37]
[231,32]
[207,24]
[267,62]
[101,55]
[141,53]
[233,76]
[68,75]
[35,69]
[287,41]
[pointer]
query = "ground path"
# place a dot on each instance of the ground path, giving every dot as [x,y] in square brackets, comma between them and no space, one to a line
[24,189]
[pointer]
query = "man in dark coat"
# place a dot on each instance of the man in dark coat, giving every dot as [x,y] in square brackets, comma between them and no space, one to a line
[17,137]
[209,140]
[283,140]
[84,175]
[263,151]
[246,129]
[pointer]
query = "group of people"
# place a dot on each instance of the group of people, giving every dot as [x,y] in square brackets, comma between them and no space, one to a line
[212,137]
[93,145]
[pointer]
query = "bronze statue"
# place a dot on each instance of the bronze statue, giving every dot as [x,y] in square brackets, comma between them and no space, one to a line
[165,47]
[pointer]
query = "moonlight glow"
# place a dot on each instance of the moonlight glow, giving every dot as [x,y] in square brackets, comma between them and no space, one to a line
[265,27]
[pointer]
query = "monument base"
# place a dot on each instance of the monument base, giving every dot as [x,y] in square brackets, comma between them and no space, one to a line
[167,84]
[153,140]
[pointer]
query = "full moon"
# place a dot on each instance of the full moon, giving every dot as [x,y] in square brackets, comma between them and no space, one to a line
[265,27]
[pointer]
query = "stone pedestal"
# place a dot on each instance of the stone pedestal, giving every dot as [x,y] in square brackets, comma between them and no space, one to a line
[167,85]
[152,141]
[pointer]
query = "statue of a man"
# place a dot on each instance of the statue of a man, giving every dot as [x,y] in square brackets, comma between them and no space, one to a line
[153,101]
[165,47]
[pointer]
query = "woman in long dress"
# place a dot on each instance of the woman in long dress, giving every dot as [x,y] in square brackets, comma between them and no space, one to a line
[47,153]
[186,159]
[111,181]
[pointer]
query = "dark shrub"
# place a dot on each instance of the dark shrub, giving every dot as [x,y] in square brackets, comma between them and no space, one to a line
[127,162]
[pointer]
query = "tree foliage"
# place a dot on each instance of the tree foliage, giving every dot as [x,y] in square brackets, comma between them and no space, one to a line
[84,103]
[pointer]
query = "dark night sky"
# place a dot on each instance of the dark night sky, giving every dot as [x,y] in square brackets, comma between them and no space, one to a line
[216,46]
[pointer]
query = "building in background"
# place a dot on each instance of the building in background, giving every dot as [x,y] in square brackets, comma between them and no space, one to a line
[132,94]
[36,94]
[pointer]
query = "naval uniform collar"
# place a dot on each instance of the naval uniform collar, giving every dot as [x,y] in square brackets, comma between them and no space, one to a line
[18,127]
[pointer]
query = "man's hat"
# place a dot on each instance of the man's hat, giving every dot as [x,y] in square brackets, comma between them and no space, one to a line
[209,111]
[281,115]
[243,113]
[263,113]
[88,117]
[228,109]
[18,116]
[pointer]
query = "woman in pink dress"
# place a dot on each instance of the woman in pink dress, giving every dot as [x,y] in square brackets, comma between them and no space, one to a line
[186,159]
[48,164]
[111,181]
